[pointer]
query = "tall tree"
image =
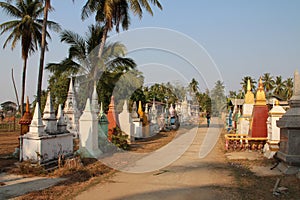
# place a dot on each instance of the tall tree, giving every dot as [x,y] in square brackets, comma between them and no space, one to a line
[47,8]
[245,81]
[279,87]
[26,27]
[268,83]
[288,88]
[82,63]
[194,86]
[218,98]
[115,13]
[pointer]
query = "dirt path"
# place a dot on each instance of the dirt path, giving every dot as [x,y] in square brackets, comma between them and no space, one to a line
[189,177]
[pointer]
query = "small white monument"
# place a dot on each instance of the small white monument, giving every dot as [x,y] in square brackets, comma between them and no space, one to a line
[272,145]
[125,122]
[244,120]
[39,146]
[49,118]
[88,133]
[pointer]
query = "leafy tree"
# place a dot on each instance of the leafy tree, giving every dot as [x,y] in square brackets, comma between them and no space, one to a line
[204,100]
[47,8]
[218,98]
[82,62]
[27,28]
[115,13]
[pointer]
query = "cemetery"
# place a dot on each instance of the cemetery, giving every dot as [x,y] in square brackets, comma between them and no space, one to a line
[110,112]
[50,140]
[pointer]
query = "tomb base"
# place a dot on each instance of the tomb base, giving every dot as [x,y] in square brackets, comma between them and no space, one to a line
[47,147]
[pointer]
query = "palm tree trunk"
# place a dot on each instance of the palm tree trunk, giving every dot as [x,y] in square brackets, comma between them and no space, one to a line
[100,52]
[43,47]
[23,85]
[15,88]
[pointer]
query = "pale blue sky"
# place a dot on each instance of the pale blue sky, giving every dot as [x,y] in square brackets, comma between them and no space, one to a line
[243,37]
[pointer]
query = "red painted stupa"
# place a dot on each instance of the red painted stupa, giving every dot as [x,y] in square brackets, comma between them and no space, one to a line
[111,117]
[25,121]
[258,125]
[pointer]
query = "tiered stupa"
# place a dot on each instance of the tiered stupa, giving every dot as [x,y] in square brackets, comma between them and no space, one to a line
[258,126]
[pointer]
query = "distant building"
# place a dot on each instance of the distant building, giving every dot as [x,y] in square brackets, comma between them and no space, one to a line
[8,107]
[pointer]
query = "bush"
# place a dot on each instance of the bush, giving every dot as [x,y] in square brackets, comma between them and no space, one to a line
[119,139]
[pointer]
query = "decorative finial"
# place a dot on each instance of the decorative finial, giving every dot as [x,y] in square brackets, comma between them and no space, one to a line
[87,106]
[27,105]
[260,85]
[248,85]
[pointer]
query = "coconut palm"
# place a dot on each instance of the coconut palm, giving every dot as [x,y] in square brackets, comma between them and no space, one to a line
[268,83]
[279,87]
[47,8]
[288,89]
[27,28]
[245,82]
[115,13]
[82,59]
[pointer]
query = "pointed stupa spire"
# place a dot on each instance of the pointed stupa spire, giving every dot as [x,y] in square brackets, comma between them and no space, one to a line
[70,105]
[101,109]
[146,108]
[87,106]
[37,126]
[49,118]
[249,96]
[48,110]
[134,111]
[71,89]
[248,85]
[61,124]
[140,110]
[153,105]
[260,94]
[125,106]
[27,109]
[95,106]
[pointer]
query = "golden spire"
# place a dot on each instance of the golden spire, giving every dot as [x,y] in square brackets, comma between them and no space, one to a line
[248,85]
[140,110]
[260,94]
[249,96]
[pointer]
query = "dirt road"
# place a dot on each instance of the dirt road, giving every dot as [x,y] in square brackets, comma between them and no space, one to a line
[189,177]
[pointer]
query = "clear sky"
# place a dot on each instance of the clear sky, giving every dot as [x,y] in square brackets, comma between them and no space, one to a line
[240,37]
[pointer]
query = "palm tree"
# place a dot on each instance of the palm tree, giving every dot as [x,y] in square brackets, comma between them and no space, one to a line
[47,8]
[115,13]
[279,86]
[245,81]
[268,83]
[27,28]
[82,63]
[288,89]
